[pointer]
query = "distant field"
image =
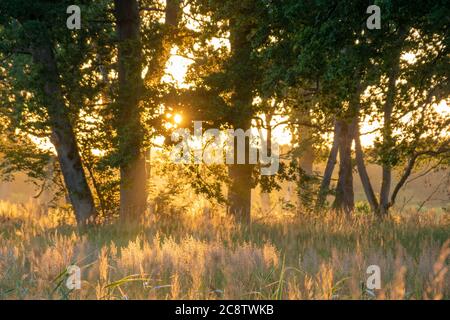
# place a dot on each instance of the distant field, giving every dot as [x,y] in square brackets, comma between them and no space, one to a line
[431,190]
[197,256]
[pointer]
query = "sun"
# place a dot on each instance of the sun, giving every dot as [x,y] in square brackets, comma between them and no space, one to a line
[177,118]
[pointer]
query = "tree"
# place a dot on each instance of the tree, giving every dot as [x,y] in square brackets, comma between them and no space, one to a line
[411,91]
[127,111]
[328,44]
[228,82]
[138,51]
[39,53]
[320,59]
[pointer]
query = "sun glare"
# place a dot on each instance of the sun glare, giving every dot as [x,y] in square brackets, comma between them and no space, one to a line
[177,118]
[176,69]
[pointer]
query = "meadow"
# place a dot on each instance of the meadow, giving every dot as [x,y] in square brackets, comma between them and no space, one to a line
[196,255]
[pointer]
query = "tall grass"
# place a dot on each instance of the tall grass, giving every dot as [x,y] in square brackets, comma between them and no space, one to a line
[192,255]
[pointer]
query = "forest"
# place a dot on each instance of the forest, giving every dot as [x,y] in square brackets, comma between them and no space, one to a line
[204,149]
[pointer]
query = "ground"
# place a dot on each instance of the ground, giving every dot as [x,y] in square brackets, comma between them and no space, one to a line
[193,255]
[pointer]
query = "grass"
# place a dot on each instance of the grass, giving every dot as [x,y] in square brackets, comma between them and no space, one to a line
[190,255]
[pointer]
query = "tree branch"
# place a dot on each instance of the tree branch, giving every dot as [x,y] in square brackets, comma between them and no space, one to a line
[410,166]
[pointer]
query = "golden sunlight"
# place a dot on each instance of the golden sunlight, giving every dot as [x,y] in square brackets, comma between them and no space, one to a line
[177,118]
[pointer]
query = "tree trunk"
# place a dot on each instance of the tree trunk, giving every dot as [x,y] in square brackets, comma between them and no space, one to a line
[63,137]
[365,180]
[306,162]
[344,200]
[265,196]
[133,190]
[240,187]
[173,12]
[240,175]
[240,192]
[387,141]
[386,167]
[329,168]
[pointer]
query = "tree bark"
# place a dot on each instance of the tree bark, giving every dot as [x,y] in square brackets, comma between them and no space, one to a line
[265,195]
[388,143]
[387,139]
[240,175]
[173,12]
[240,192]
[329,168]
[133,190]
[240,186]
[344,200]
[365,180]
[62,135]
[306,162]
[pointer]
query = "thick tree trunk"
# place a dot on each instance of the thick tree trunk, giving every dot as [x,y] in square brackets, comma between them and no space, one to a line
[240,187]
[240,192]
[63,137]
[344,200]
[329,168]
[240,175]
[173,12]
[133,191]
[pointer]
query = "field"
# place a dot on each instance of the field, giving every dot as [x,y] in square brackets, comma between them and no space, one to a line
[193,255]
